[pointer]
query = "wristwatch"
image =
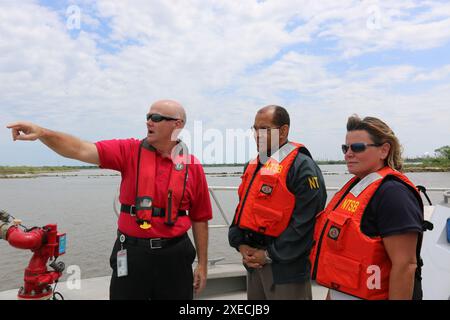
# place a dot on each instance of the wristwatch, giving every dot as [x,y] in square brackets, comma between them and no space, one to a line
[268,260]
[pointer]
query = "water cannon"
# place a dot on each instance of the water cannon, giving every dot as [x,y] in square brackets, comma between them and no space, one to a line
[46,244]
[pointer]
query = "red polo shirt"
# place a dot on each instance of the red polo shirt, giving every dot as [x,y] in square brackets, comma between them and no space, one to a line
[122,155]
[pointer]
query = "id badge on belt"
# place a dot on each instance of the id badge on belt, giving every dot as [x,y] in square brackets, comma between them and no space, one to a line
[122,262]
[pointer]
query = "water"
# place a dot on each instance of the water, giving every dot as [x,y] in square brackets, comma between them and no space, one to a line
[81,203]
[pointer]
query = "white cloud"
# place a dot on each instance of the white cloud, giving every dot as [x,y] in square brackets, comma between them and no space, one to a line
[438,74]
[223,60]
[371,26]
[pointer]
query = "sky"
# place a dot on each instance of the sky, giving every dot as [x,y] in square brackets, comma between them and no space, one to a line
[93,68]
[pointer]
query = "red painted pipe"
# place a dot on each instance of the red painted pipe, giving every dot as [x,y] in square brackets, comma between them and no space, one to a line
[25,240]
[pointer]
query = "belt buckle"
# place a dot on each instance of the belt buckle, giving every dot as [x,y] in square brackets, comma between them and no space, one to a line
[131,211]
[157,246]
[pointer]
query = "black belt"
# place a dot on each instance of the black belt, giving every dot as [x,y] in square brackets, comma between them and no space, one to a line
[157,212]
[152,243]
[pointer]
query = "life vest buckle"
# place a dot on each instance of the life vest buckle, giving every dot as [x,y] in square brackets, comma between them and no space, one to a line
[427,226]
[132,208]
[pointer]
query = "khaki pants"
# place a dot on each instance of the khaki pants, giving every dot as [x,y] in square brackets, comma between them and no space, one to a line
[260,286]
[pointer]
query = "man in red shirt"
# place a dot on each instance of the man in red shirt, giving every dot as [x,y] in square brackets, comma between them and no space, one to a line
[163,193]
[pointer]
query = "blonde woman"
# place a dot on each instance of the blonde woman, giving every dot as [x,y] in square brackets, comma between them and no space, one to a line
[367,240]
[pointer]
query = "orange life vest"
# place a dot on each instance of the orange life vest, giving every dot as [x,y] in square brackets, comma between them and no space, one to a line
[265,203]
[145,187]
[345,259]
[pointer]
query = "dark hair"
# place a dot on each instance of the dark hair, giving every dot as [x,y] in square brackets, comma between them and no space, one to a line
[280,115]
[380,133]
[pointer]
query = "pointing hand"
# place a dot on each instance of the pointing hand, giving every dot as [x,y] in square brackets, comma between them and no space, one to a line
[25,131]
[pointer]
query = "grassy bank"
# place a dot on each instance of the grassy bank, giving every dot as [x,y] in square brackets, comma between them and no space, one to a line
[410,165]
[330,162]
[429,165]
[424,165]
[243,164]
[215,165]
[9,170]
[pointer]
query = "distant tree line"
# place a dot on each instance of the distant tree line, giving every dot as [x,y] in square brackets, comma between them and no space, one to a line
[443,152]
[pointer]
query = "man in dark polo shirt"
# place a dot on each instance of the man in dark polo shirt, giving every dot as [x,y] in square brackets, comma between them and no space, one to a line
[163,194]
[281,192]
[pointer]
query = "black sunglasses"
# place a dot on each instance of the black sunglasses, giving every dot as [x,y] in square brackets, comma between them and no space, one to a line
[156,117]
[359,146]
[254,129]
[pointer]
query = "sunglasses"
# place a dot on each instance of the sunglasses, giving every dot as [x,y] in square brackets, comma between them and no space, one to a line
[263,130]
[156,117]
[359,146]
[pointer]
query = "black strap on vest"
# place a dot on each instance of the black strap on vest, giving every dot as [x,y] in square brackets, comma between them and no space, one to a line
[424,191]
[157,212]
[426,225]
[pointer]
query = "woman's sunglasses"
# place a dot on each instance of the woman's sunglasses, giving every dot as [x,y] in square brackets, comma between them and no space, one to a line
[359,146]
[156,117]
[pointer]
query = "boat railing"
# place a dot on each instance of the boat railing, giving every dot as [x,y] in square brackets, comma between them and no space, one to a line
[213,189]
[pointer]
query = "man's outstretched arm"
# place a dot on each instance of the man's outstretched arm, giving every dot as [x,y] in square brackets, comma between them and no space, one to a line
[65,145]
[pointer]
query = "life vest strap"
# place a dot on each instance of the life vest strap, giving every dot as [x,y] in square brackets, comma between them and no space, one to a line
[424,191]
[156,212]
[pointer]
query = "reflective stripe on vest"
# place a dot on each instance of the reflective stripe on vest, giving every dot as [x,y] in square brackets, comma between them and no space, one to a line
[145,184]
[345,259]
[265,203]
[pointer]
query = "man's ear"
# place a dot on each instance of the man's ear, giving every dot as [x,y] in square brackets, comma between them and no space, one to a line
[284,130]
[179,124]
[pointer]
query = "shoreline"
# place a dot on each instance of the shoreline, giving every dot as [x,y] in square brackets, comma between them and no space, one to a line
[425,169]
[23,172]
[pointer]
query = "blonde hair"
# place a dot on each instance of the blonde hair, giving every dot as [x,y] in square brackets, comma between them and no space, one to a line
[380,133]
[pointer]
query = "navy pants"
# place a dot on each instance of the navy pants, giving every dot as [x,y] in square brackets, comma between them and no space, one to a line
[154,274]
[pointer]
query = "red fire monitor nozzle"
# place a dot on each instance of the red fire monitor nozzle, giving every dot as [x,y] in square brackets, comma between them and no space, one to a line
[46,244]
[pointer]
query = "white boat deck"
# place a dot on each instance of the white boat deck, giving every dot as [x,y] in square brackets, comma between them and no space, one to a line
[98,288]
